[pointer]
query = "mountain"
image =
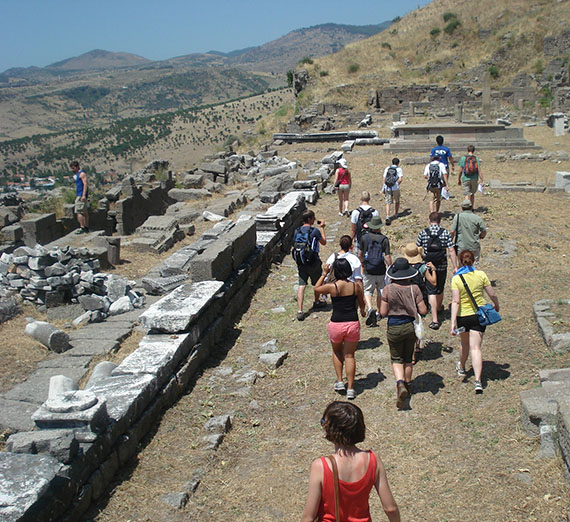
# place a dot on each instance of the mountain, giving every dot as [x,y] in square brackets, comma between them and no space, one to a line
[98,59]
[515,43]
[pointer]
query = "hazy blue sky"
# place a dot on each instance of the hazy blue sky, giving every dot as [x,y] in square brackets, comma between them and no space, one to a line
[41,32]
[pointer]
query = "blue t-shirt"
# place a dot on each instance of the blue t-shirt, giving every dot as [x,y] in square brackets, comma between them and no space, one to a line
[444,154]
[315,236]
[79,186]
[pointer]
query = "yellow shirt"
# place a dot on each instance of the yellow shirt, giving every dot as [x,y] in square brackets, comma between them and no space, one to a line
[477,281]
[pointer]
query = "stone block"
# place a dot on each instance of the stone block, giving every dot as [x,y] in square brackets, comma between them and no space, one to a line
[175,312]
[193,181]
[274,360]
[24,479]
[213,441]
[347,145]
[60,444]
[216,168]
[163,285]
[219,424]
[93,418]
[537,407]
[242,238]
[13,233]
[92,347]
[215,263]
[16,415]
[188,194]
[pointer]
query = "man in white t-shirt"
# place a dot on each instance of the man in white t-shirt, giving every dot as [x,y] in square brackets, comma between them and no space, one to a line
[363,214]
[436,176]
[345,244]
[392,181]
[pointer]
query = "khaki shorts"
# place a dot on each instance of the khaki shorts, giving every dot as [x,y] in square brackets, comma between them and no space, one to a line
[344,188]
[392,196]
[372,282]
[80,206]
[435,194]
[469,186]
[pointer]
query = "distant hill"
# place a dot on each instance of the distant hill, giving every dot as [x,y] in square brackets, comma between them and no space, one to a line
[98,59]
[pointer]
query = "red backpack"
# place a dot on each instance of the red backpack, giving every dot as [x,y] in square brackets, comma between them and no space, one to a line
[471,167]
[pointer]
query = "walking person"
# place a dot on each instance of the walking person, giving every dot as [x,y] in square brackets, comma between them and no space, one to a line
[350,471]
[444,154]
[401,302]
[360,216]
[342,183]
[470,174]
[374,254]
[344,326]
[435,241]
[467,229]
[464,314]
[437,179]
[306,242]
[81,207]
[426,272]
[345,244]
[391,188]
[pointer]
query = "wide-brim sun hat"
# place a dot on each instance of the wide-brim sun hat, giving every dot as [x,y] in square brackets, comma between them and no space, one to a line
[413,253]
[401,269]
[375,223]
[342,162]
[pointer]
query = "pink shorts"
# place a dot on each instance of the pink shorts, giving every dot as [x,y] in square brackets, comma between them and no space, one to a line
[348,331]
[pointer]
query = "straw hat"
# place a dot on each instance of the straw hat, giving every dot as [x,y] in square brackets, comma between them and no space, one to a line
[413,253]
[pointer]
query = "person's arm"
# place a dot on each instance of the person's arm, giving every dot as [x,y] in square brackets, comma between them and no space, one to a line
[353,230]
[400,177]
[453,257]
[323,239]
[83,177]
[454,308]
[335,178]
[314,495]
[479,171]
[385,493]
[444,174]
[324,288]
[420,305]
[388,260]
[451,161]
[430,274]
[482,234]
[360,298]
[460,173]
[384,307]
[493,296]
[453,227]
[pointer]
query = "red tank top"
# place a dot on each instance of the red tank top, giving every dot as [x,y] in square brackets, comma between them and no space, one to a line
[353,496]
[343,176]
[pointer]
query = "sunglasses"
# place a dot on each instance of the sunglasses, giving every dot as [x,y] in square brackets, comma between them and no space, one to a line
[322,421]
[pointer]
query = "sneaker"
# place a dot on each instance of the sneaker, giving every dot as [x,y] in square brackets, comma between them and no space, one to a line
[460,371]
[341,213]
[300,316]
[339,387]
[402,393]
[371,317]
[350,394]
[319,304]
[79,231]
[388,221]
[478,387]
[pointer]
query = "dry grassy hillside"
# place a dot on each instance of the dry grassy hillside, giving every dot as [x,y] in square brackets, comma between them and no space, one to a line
[443,42]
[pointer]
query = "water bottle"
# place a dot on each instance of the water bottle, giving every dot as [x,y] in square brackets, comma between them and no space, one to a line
[459,330]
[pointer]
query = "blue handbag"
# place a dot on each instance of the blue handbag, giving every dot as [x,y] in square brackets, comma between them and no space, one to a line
[486,314]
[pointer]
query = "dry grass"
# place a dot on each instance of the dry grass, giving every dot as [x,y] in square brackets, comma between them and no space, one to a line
[453,456]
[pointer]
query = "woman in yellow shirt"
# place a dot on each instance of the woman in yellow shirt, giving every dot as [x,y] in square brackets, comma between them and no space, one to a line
[464,314]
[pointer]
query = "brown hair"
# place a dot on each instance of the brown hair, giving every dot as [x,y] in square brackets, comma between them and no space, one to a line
[344,423]
[308,215]
[345,242]
[74,164]
[467,258]
[435,217]
[471,148]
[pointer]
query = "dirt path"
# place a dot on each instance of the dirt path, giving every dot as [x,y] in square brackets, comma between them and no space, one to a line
[453,456]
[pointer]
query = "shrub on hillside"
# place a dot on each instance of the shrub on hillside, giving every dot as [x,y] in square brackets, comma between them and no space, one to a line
[434,32]
[323,73]
[306,60]
[447,16]
[353,68]
[494,71]
[451,26]
[386,45]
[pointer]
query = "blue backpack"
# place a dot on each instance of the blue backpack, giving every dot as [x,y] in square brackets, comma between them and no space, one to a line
[304,251]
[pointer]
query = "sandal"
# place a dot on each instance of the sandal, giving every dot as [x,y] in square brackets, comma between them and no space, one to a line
[434,326]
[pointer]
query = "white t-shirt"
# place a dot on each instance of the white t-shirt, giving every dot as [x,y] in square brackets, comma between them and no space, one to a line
[442,169]
[397,185]
[355,264]
[355,213]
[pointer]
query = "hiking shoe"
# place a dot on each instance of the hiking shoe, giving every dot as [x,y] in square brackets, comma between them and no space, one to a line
[300,316]
[402,393]
[371,317]
[388,221]
[460,371]
[339,387]
[350,394]
[79,231]
[478,387]
[341,213]
[319,304]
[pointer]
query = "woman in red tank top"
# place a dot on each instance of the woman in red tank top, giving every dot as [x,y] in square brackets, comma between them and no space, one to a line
[342,183]
[358,471]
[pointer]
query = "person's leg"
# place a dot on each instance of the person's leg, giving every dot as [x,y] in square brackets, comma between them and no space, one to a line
[350,362]
[338,359]
[437,200]
[396,196]
[464,353]
[346,195]
[408,370]
[398,369]
[340,199]
[81,219]
[475,342]
[439,300]
[300,297]
[387,210]
[432,298]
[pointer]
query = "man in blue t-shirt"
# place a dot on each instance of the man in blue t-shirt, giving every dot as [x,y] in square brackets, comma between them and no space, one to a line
[314,270]
[81,207]
[444,154]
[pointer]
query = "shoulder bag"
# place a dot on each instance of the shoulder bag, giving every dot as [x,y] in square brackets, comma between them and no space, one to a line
[486,314]
[418,323]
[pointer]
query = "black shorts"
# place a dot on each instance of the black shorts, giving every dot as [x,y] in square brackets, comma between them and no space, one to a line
[440,283]
[470,322]
[312,272]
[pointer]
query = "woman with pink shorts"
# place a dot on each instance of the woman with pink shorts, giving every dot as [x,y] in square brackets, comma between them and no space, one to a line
[344,326]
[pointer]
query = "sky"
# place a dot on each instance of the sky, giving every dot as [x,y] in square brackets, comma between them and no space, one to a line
[41,32]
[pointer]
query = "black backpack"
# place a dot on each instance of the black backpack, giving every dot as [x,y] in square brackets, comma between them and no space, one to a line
[420,280]
[434,179]
[391,177]
[303,250]
[364,216]
[435,251]
[374,263]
